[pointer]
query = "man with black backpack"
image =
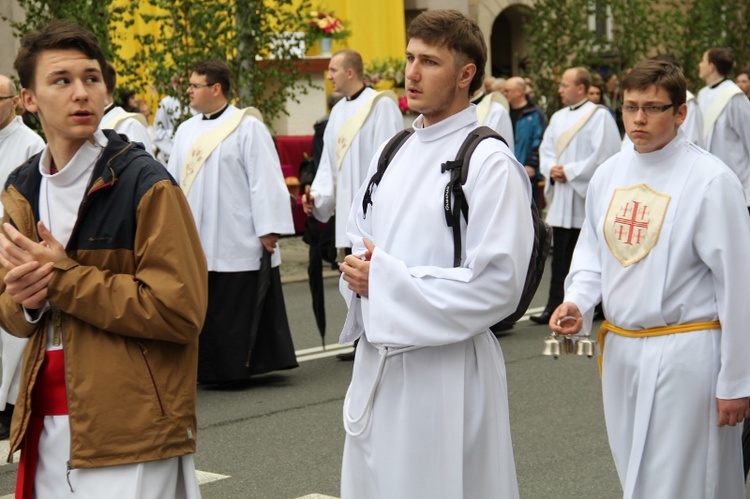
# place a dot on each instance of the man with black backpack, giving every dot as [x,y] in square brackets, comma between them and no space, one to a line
[436,260]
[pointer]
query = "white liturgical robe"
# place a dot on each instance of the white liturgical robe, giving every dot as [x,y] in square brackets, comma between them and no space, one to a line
[729,137]
[686,211]
[238,195]
[130,127]
[17,144]
[594,143]
[334,188]
[498,118]
[426,412]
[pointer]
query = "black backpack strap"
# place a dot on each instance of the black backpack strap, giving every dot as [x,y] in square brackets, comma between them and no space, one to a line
[389,151]
[459,169]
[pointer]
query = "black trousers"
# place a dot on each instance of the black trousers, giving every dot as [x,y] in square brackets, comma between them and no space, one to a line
[564,241]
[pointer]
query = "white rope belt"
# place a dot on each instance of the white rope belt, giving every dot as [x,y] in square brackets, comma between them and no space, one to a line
[349,421]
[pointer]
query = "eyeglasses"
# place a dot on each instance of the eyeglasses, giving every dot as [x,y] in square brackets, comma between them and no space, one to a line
[196,86]
[649,110]
[7,97]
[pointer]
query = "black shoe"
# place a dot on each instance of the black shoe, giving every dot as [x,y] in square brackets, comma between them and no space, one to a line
[541,319]
[4,432]
[349,356]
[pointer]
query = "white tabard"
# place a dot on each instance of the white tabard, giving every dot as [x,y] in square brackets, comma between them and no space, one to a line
[238,195]
[596,141]
[438,423]
[729,138]
[334,189]
[660,392]
[498,118]
[130,127]
[17,144]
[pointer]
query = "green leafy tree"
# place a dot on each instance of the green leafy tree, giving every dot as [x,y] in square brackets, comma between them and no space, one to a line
[256,41]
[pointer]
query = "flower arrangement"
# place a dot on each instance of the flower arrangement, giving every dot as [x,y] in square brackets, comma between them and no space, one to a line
[385,74]
[322,25]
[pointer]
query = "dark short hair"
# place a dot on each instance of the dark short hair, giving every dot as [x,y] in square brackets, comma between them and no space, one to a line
[215,71]
[667,58]
[745,71]
[55,35]
[460,34]
[110,78]
[659,74]
[722,59]
[352,60]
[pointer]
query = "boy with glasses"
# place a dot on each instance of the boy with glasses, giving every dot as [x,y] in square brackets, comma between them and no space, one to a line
[665,245]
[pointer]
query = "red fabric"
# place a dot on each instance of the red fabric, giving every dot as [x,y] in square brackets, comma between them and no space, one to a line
[49,399]
[292,150]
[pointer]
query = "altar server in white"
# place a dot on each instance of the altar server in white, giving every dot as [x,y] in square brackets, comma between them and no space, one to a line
[493,111]
[227,165]
[578,139]
[17,144]
[133,125]
[665,244]
[426,413]
[357,126]
[726,114]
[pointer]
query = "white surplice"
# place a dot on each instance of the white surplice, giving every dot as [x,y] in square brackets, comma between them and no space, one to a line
[60,196]
[130,127]
[334,188]
[17,144]
[729,138]
[498,118]
[437,424]
[594,143]
[238,195]
[660,392]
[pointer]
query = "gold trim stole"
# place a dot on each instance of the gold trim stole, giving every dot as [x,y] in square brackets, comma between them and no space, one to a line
[566,137]
[717,107]
[206,143]
[483,108]
[114,122]
[351,127]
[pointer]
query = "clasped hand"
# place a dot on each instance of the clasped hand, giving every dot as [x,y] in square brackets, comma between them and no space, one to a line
[356,270]
[29,264]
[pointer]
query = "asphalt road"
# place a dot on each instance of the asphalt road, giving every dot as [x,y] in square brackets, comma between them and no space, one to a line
[281,436]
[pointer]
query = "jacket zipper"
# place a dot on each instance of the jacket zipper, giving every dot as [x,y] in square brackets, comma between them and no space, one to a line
[151,374]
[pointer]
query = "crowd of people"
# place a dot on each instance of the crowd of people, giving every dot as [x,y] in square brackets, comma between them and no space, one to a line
[138,260]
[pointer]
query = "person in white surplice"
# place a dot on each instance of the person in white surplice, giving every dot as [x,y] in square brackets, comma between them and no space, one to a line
[17,144]
[103,272]
[426,413]
[664,245]
[726,114]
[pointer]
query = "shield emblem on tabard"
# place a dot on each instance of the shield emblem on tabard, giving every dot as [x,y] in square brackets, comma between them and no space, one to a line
[634,221]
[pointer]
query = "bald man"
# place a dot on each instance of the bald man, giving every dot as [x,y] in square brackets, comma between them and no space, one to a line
[17,144]
[529,123]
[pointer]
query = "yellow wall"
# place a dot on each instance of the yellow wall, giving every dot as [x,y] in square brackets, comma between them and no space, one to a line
[377,26]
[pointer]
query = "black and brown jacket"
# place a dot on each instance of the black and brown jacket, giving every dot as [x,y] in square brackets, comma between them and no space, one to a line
[132,296]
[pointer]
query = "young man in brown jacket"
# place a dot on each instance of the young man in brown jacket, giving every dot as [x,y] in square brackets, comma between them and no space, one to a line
[103,271]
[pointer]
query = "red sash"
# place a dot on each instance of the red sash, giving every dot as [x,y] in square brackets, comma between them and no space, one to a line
[49,398]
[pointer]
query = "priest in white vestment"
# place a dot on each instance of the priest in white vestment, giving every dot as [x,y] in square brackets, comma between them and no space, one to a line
[726,115]
[426,413]
[579,138]
[132,125]
[359,123]
[665,246]
[17,144]
[241,206]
